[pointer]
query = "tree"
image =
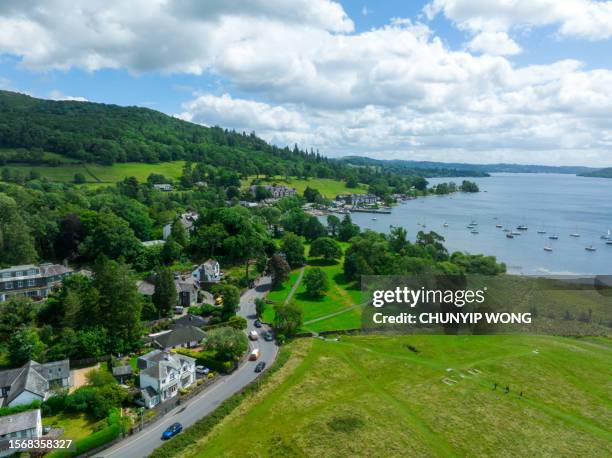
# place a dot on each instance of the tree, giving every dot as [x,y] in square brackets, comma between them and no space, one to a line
[112,237]
[316,282]
[164,296]
[312,194]
[16,241]
[262,193]
[237,322]
[260,307]
[327,248]
[333,225]
[293,248]
[16,312]
[287,319]
[347,230]
[79,178]
[24,346]
[231,299]
[179,234]
[279,269]
[70,235]
[469,186]
[229,344]
[118,306]
[398,239]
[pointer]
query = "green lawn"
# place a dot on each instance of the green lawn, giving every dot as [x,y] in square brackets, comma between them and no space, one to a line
[327,187]
[338,309]
[76,425]
[96,174]
[374,396]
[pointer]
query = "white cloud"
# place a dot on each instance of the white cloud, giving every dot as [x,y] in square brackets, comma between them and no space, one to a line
[305,76]
[590,19]
[494,43]
[58,95]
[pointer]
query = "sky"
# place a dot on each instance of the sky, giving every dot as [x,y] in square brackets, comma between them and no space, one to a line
[482,81]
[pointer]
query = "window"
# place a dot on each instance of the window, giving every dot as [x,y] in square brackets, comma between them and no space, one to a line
[32,272]
[31,282]
[20,284]
[19,273]
[9,285]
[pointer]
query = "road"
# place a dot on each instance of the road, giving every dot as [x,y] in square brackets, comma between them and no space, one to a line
[143,443]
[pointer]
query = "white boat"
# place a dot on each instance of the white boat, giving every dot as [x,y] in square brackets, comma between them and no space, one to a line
[498,226]
[607,236]
[509,235]
[547,248]
[575,234]
[474,231]
[515,233]
[445,225]
[522,227]
[609,242]
[541,231]
[590,248]
[553,237]
[374,219]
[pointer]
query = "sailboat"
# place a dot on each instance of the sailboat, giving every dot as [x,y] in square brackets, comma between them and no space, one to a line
[590,248]
[498,226]
[547,248]
[609,242]
[474,231]
[445,224]
[575,234]
[509,235]
[607,236]
[541,231]
[553,237]
[522,227]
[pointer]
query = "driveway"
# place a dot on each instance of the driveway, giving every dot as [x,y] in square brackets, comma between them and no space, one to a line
[144,442]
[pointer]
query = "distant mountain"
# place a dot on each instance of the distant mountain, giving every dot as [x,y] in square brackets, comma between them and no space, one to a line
[414,168]
[466,168]
[601,173]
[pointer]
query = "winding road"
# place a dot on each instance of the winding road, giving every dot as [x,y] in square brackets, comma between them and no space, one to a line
[146,441]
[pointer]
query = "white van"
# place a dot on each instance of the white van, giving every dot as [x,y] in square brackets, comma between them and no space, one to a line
[254,356]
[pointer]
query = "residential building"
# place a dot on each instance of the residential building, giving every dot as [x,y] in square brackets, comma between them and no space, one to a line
[163,374]
[208,272]
[186,219]
[359,199]
[277,192]
[22,425]
[186,289]
[179,337]
[33,382]
[31,280]
[123,373]
[165,187]
[190,320]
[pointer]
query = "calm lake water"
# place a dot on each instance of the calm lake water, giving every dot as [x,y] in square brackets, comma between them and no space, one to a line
[558,204]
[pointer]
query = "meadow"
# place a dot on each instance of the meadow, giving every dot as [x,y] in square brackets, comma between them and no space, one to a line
[383,395]
[96,174]
[328,187]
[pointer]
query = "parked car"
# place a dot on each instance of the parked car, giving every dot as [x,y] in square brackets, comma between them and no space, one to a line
[257,324]
[172,431]
[261,365]
[253,335]
[254,356]
[268,336]
[202,370]
[178,309]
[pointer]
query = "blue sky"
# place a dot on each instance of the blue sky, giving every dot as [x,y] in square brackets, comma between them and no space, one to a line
[456,80]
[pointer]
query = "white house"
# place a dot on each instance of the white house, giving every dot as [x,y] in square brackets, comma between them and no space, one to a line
[163,374]
[165,187]
[208,272]
[33,382]
[23,425]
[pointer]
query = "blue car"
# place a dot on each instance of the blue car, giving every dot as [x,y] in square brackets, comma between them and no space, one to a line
[172,430]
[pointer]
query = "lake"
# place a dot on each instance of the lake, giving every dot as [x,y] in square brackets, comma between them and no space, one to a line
[555,203]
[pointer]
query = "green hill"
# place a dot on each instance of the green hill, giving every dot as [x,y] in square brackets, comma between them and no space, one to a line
[47,132]
[602,173]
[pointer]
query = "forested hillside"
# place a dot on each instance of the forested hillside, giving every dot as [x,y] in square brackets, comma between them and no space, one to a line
[101,133]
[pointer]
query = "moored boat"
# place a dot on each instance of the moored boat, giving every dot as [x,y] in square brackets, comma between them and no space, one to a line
[590,248]
[547,248]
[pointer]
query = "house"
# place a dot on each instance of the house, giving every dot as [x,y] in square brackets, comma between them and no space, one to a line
[186,219]
[190,320]
[186,289]
[33,382]
[22,425]
[359,199]
[163,374]
[179,337]
[122,373]
[31,280]
[277,192]
[208,272]
[164,187]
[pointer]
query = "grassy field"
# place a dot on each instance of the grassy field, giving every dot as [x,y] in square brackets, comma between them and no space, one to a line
[375,396]
[96,174]
[76,425]
[327,187]
[338,309]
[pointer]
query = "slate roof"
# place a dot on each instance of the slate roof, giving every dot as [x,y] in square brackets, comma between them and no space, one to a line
[122,370]
[179,336]
[164,363]
[19,421]
[33,377]
[190,320]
